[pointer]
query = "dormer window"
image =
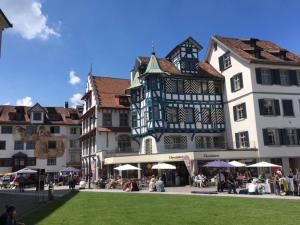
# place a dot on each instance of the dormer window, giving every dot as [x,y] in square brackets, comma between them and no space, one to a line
[123,100]
[37,116]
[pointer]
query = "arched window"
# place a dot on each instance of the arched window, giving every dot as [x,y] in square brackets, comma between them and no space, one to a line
[124,143]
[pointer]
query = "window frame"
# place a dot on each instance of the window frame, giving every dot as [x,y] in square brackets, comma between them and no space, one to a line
[106,119]
[6,129]
[17,145]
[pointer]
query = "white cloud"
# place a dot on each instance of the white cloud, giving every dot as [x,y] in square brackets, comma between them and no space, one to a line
[28,19]
[27,101]
[76,99]
[6,103]
[74,79]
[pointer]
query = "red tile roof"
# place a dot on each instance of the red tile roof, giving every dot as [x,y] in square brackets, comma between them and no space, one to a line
[108,91]
[240,46]
[205,69]
[8,115]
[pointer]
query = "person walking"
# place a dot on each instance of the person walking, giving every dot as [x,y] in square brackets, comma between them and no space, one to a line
[220,179]
[21,182]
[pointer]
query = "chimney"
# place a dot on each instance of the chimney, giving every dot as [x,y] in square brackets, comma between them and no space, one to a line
[79,108]
[66,104]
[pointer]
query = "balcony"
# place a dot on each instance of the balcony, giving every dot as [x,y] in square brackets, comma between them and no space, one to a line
[122,152]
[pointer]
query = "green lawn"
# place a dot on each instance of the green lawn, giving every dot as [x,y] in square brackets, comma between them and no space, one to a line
[140,209]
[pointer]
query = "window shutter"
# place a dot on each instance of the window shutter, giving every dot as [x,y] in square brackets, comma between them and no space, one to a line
[237,140]
[298,136]
[277,107]
[221,63]
[283,137]
[262,110]
[288,108]
[258,75]
[265,135]
[241,80]
[275,77]
[247,139]
[232,84]
[234,113]
[245,110]
[293,77]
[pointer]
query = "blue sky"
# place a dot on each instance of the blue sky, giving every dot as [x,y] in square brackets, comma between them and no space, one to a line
[69,35]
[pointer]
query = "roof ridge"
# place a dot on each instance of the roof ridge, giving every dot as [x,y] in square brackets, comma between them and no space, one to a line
[117,78]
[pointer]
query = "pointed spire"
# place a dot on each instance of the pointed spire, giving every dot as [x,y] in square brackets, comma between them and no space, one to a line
[136,81]
[153,66]
[91,69]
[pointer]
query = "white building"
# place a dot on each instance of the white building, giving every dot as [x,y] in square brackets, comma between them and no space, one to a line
[105,124]
[39,137]
[261,97]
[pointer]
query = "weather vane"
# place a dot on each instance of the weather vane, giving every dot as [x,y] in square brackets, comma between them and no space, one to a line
[152,45]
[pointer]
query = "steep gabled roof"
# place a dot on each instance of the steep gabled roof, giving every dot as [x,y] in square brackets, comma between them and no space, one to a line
[136,81]
[189,39]
[4,22]
[204,68]
[108,91]
[153,66]
[241,47]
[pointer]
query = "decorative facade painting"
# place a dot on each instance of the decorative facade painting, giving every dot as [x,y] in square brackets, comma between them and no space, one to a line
[46,144]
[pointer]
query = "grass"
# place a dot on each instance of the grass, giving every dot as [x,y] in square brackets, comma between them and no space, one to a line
[121,208]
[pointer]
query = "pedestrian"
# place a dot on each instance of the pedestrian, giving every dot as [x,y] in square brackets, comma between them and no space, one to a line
[9,217]
[220,179]
[160,187]
[231,184]
[21,182]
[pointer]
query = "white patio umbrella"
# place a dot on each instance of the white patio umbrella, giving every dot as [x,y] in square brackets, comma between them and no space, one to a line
[25,171]
[163,166]
[264,164]
[126,167]
[237,164]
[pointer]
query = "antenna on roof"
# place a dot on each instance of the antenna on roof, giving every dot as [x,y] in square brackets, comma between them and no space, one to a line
[152,46]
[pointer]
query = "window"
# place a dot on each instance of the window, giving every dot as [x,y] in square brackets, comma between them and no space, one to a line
[271,137]
[73,143]
[204,142]
[242,140]
[292,136]
[107,121]
[189,115]
[155,113]
[2,145]
[55,130]
[123,119]
[51,161]
[180,86]
[288,109]
[31,161]
[73,130]
[224,61]
[6,129]
[5,162]
[240,112]
[236,82]
[172,115]
[206,115]
[30,145]
[54,117]
[266,77]
[19,145]
[298,77]
[172,142]
[124,143]
[51,144]
[37,116]
[31,130]
[134,119]
[284,77]
[269,107]
[204,87]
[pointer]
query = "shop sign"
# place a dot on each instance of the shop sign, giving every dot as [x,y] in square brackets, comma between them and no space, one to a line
[176,157]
